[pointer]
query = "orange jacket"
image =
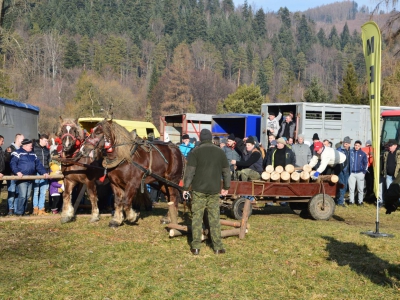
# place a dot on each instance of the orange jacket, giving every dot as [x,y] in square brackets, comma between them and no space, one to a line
[370,154]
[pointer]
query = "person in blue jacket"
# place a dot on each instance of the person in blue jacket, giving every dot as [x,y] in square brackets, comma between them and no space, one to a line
[186,146]
[25,162]
[358,168]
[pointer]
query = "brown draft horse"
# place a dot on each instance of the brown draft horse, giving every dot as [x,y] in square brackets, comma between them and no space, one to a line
[71,136]
[126,157]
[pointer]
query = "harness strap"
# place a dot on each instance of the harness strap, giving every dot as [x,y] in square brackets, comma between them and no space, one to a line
[147,173]
[159,178]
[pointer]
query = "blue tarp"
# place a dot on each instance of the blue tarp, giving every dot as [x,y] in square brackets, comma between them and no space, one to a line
[241,125]
[19,104]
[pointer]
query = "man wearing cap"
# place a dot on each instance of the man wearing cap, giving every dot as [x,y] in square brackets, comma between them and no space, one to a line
[206,164]
[281,155]
[251,164]
[345,173]
[25,162]
[331,160]
[273,123]
[358,168]
[301,151]
[391,162]
[186,146]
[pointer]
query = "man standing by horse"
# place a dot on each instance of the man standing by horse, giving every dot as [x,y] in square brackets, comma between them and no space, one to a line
[206,164]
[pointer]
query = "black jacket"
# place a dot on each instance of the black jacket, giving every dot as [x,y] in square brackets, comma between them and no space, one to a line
[43,154]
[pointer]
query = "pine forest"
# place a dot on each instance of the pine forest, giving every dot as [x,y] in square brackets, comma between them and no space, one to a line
[145,58]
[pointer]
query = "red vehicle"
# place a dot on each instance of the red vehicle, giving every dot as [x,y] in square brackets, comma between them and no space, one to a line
[390,126]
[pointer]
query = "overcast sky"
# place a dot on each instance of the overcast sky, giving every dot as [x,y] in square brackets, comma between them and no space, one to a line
[297,5]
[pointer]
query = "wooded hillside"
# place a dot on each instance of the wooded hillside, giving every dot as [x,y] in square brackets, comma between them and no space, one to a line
[153,57]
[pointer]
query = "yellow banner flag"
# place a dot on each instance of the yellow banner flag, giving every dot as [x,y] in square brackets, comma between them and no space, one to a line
[371,37]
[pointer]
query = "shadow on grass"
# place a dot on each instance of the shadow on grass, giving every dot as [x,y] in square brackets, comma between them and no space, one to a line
[361,260]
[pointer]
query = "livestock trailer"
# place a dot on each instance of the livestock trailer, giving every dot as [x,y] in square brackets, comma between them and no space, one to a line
[176,125]
[241,125]
[330,121]
[17,117]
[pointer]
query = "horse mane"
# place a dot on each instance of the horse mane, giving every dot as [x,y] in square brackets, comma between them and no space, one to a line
[72,122]
[121,137]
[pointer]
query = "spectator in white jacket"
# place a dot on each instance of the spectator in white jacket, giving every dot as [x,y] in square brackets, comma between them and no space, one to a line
[273,123]
[331,160]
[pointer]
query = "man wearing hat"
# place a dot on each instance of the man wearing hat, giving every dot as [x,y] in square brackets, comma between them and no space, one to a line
[281,155]
[315,138]
[186,146]
[391,162]
[301,151]
[251,164]
[345,173]
[204,169]
[25,162]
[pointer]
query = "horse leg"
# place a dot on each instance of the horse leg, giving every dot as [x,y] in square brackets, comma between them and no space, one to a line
[91,189]
[131,215]
[67,214]
[118,214]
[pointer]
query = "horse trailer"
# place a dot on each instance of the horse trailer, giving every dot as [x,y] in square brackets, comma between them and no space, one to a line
[329,121]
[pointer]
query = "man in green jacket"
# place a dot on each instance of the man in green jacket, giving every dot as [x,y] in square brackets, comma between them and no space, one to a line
[206,164]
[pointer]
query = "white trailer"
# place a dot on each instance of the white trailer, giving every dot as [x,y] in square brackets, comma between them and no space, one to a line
[329,121]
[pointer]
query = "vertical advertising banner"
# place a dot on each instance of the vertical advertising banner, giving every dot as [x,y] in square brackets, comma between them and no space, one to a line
[371,37]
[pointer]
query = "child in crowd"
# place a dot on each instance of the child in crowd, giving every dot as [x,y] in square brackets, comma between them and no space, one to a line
[56,187]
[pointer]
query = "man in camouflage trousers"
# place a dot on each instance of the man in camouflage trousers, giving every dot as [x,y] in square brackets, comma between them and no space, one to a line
[206,164]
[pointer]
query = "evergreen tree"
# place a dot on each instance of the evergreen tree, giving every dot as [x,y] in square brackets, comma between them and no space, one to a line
[84,52]
[153,80]
[334,40]
[149,113]
[322,37]
[262,80]
[6,90]
[348,93]
[259,26]
[345,36]
[304,35]
[71,56]
[246,99]
[228,7]
[301,63]
[315,92]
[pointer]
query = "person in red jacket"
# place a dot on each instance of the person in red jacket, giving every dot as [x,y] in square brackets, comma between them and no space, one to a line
[369,176]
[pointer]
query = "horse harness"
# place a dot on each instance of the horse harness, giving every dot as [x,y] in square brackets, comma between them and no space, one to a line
[147,147]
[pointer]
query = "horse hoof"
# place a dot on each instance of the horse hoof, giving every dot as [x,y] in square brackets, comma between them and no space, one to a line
[93,220]
[66,220]
[113,224]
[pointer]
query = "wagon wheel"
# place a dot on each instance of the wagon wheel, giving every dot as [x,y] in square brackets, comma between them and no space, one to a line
[237,208]
[298,207]
[321,207]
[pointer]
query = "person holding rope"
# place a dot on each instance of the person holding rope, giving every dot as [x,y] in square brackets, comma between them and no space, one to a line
[25,162]
[206,164]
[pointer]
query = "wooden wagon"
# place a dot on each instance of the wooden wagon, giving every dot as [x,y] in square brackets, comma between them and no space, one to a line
[313,197]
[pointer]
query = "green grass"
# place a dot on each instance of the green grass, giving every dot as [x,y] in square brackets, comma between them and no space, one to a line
[283,256]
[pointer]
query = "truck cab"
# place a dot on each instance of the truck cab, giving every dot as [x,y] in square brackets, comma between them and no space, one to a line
[390,126]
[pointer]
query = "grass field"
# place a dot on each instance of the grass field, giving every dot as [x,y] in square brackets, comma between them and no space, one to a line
[283,256]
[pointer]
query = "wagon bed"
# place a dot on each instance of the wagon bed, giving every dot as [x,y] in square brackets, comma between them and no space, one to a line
[315,198]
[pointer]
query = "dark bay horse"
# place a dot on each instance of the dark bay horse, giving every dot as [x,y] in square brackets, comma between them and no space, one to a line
[132,162]
[74,169]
